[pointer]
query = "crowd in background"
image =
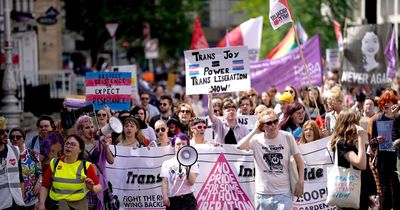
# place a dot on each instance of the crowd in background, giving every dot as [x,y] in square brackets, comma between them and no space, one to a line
[159,114]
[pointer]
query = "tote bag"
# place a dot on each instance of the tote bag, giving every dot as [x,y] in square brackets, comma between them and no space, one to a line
[344,185]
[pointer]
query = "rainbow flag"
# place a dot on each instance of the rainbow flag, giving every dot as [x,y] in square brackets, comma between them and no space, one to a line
[288,43]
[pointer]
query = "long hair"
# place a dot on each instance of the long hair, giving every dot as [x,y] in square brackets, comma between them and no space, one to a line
[287,120]
[139,135]
[314,128]
[345,128]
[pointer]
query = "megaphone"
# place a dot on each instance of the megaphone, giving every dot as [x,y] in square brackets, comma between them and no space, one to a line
[114,125]
[187,156]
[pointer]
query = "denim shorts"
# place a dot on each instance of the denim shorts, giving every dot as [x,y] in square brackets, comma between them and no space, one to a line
[276,202]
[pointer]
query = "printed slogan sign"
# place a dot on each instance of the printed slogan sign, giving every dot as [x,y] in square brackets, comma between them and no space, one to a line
[109,88]
[221,69]
[225,180]
[364,61]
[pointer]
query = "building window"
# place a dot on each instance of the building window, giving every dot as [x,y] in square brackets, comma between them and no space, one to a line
[387,7]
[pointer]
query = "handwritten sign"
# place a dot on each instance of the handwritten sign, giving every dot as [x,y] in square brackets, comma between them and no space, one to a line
[133,70]
[222,69]
[385,129]
[109,88]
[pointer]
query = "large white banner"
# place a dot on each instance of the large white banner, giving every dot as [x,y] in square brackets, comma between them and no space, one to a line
[226,179]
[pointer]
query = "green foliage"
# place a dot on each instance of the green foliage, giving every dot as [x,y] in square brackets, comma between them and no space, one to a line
[308,12]
[170,21]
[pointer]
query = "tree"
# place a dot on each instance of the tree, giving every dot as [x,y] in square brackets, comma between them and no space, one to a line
[170,21]
[307,12]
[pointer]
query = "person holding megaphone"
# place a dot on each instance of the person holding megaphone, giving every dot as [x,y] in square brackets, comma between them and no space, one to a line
[177,185]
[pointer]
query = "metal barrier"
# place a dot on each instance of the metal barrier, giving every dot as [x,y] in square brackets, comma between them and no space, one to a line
[62,83]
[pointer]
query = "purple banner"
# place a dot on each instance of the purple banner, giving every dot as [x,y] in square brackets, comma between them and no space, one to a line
[289,70]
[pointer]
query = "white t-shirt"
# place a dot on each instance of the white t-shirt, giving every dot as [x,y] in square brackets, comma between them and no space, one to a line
[178,184]
[272,162]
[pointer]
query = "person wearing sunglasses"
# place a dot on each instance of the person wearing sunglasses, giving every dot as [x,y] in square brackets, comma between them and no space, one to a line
[272,149]
[185,114]
[145,102]
[165,108]
[31,168]
[161,129]
[102,118]
[197,131]
[11,177]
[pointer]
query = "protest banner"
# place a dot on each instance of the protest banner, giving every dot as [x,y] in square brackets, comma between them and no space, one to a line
[226,179]
[289,69]
[133,70]
[384,128]
[109,88]
[221,69]
[364,62]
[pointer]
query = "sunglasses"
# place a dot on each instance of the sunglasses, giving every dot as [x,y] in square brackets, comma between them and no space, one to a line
[269,123]
[201,127]
[185,111]
[15,137]
[101,115]
[290,91]
[252,95]
[144,99]
[160,129]
[3,131]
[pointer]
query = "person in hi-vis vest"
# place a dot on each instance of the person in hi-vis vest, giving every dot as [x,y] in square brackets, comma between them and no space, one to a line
[68,179]
[11,181]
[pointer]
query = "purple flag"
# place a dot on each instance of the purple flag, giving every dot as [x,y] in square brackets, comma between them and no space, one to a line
[390,53]
[289,70]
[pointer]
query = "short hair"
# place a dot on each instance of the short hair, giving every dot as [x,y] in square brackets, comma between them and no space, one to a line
[48,118]
[241,99]
[228,104]
[165,97]
[196,121]
[81,121]
[81,144]
[387,96]
[181,136]
[268,111]
[19,130]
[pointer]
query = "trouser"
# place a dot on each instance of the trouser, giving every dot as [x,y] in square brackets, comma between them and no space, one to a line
[182,202]
[15,207]
[66,205]
[388,180]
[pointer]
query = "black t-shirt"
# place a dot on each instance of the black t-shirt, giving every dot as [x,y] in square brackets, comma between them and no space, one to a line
[3,162]
[342,149]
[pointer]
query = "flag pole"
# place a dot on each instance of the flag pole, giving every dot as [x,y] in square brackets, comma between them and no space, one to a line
[296,35]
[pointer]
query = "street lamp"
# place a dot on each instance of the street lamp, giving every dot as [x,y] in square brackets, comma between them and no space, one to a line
[9,104]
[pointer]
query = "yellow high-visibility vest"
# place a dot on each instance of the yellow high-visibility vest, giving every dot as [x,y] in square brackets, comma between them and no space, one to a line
[68,180]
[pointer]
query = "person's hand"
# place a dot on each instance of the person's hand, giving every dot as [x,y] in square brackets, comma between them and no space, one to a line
[210,93]
[324,132]
[36,190]
[41,206]
[395,108]
[299,189]
[106,140]
[166,201]
[89,183]
[258,127]
[380,139]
